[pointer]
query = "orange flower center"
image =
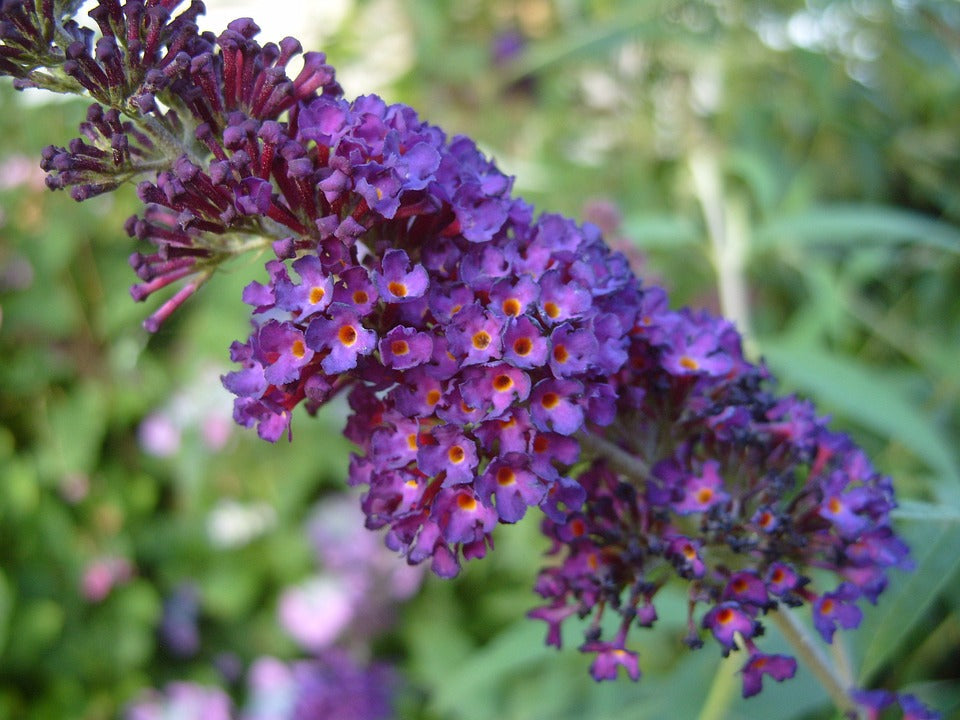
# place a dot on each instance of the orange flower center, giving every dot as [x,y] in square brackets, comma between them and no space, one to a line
[456,454]
[689,363]
[550,400]
[506,476]
[397,289]
[347,335]
[467,502]
[298,349]
[511,307]
[502,383]
[522,346]
[481,340]
[316,294]
[399,347]
[560,354]
[433,397]
[551,309]
[360,297]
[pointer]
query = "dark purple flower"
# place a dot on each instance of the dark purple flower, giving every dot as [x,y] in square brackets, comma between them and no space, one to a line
[837,609]
[609,659]
[779,667]
[726,620]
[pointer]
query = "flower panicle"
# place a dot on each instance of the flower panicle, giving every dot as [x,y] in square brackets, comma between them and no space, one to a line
[492,361]
[205,124]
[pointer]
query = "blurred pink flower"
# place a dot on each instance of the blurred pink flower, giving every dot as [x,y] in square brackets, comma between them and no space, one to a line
[104,574]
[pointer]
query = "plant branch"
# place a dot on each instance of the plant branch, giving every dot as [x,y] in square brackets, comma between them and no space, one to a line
[616,457]
[814,659]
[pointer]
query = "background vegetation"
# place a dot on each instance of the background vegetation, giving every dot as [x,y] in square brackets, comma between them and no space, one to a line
[793,165]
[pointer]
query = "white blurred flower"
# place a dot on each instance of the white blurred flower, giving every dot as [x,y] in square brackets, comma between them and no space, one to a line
[233,524]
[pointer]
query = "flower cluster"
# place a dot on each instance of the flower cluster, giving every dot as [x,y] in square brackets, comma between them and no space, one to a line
[492,361]
[744,495]
[474,341]
[201,124]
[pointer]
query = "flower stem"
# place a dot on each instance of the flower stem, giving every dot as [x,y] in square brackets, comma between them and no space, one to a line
[616,457]
[722,689]
[814,659]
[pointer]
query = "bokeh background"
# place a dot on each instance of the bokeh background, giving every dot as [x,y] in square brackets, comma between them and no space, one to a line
[793,165]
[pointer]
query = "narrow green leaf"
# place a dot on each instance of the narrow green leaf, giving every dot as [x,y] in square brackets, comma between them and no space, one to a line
[846,225]
[661,231]
[863,395]
[926,512]
[639,19]
[910,595]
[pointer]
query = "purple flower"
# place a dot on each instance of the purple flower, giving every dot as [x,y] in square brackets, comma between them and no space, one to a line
[703,492]
[913,709]
[342,337]
[474,336]
[462,517]
[492,361]
[779,667]
[404,347]
[609,659]
[835,609]
[451,453]
[312,295]
[513,486]
[286,351]
[397,282]
[726,620]
[554,405]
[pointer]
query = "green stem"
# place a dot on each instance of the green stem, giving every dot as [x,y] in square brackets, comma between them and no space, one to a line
[617,458]
[722,689]
[727,226]
[814,659]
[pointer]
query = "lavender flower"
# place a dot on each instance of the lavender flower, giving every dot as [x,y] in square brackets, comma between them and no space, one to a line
[183,701]
[333,687]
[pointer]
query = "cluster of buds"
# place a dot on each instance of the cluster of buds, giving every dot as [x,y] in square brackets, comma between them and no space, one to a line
[493,361]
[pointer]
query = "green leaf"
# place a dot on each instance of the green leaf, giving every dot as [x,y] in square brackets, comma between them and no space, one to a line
[910,596]
[6,608]
[854,224]
[661,231]
[642,19]
[76,425]
[863,395]
[472,683]
[926,512]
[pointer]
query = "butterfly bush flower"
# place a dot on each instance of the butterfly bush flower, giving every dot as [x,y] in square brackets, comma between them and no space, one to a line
[493,361]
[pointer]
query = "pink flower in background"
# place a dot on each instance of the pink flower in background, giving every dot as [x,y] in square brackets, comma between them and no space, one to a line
[104,574]
[316,612]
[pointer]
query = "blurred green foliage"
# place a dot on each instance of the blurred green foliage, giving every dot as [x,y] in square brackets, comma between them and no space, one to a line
[800,157]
